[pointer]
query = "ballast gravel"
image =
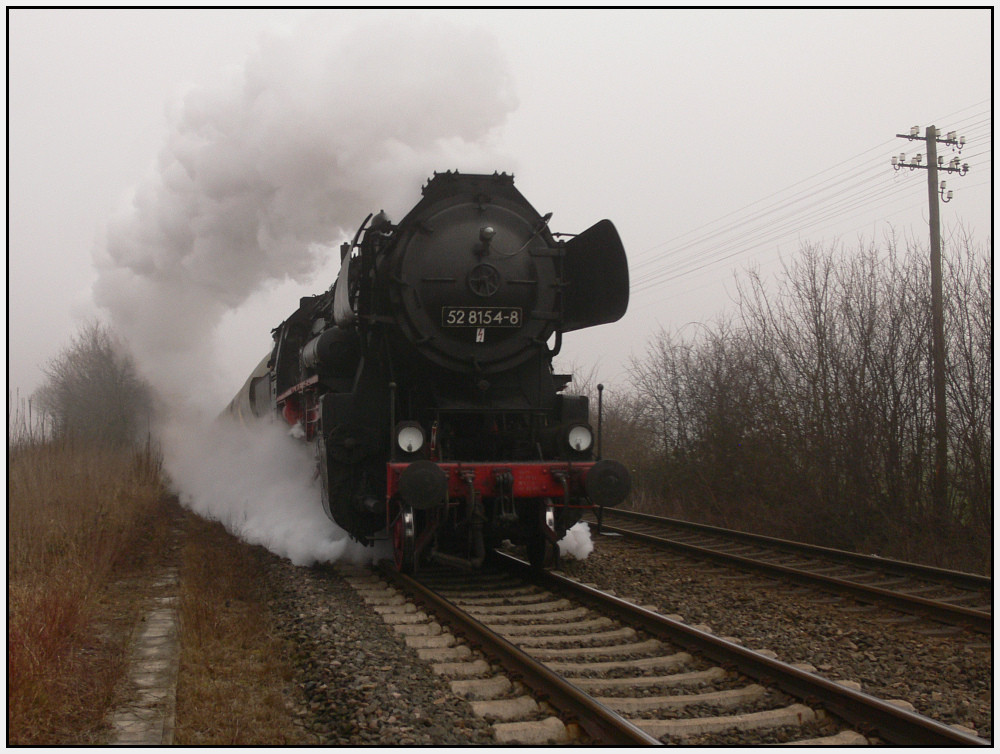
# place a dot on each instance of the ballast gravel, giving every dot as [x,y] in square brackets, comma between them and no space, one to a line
[948,678]
[357,682]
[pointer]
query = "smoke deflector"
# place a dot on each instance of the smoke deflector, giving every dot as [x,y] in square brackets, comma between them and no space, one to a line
[596,272]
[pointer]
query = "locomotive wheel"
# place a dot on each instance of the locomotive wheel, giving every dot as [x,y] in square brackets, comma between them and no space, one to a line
[404,537]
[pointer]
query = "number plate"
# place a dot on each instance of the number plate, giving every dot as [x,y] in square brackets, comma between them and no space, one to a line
[481,316]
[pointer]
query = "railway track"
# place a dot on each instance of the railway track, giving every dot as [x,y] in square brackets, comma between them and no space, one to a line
[551,660]
[951,597]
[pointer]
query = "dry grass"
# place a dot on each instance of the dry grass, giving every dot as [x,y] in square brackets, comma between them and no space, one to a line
[88,533]
[80,520]
[235,675]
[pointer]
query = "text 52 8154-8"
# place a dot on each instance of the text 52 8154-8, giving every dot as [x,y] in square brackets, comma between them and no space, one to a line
[481,316]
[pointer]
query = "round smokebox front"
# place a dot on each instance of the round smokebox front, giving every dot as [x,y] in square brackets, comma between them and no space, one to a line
[477,287]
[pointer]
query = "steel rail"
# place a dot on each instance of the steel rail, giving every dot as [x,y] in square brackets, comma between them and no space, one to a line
[900,567]
[954,614]
[869,714]
[602,723]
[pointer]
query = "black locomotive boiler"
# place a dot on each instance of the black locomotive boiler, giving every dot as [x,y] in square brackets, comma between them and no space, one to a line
[424,378]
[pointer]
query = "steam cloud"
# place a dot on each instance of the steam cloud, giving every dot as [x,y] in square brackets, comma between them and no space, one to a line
[577,541]
[262,177]
[261,485]
[259,181]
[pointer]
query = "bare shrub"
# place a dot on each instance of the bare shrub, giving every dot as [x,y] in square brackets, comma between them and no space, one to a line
[810,415]
[25,424]
[93,391]
[969,333]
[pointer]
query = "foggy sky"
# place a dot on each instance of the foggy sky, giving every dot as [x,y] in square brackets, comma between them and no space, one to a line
[698,133]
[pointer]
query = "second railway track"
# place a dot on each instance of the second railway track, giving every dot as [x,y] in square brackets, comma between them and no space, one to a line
[619,673]
[944,596]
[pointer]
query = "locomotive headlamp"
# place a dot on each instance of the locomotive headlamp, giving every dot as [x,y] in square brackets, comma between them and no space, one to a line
[580,438]
[573,440]
[409,436]
[486,234]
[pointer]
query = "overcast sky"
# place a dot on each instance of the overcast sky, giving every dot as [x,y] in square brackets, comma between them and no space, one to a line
[712,139]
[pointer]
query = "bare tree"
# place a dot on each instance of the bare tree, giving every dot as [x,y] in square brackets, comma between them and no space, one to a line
[93,392]
[810,416]
[969,320]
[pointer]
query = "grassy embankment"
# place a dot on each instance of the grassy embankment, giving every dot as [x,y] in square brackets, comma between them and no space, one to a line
[89,530]
[83,523]
[236,673]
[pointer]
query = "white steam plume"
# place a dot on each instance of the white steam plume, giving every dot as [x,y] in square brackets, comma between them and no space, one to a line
[259,181]
[261,485]
[577,541]
[263,176]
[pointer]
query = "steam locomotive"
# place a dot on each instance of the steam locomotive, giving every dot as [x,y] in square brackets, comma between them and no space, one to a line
[423,377]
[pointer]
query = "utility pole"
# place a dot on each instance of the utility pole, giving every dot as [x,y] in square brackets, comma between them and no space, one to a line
[934,164]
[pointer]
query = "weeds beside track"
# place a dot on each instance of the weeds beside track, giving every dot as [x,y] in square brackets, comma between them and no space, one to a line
[81,521]
[235,672]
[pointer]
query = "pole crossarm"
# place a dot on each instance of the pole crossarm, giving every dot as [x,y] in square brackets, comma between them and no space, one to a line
[953,140]
[933,162]
[941,168]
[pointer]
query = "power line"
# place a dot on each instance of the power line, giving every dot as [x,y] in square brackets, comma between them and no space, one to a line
[759,231]
[844,189]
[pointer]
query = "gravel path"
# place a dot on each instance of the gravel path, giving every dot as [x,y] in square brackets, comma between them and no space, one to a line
[947,678]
